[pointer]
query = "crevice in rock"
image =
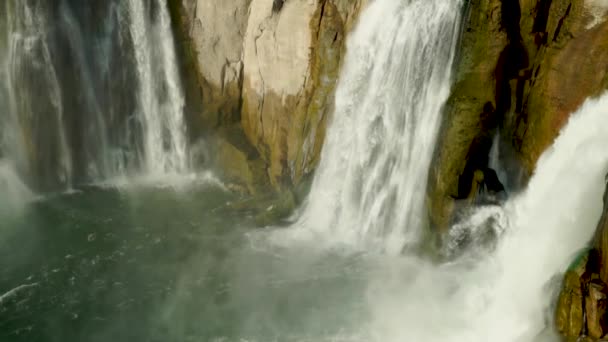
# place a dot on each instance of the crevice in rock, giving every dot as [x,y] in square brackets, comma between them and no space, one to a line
[223,75]
[511,15]
[321,19]
[560,24]
[479,151]
[543,8]
[277,5]
[513,63]
[514,57]
[241,81]
[263,91]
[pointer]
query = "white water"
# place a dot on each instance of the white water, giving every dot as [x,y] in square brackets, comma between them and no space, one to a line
[369,190]
[26,40]
[82,103]
[505,296]
[160,97]
[370,185]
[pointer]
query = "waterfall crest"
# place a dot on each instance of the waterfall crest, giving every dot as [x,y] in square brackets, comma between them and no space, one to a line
[74,113]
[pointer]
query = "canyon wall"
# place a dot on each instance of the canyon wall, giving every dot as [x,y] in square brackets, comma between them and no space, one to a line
[522,68]
[266,71]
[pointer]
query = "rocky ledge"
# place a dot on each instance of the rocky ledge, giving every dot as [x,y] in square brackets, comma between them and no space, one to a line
[581,313]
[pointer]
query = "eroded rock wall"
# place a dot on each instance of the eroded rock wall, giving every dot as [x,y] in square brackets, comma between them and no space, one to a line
[269,67]
[522,68]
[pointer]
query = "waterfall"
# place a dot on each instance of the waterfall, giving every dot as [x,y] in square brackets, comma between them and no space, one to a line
[504,295]
[371,182]
[27,68]
[14,192]
[74,113]
[160,97]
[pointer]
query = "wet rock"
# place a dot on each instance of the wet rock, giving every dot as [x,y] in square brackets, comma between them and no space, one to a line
[582,304]
[522,68]
[238,162]
[570,314]
[595,309]
[601,240]
[568,64]
[465,138]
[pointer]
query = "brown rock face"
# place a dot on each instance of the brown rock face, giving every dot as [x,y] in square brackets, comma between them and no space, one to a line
[470,115]
[288,88]
[523,68]
[601,240]
[569,62]
[569,317]
[595,309]
[271,67]
[582,304]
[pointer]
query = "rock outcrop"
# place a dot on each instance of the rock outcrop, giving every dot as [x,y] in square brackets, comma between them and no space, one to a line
[582,304]
[522,68]
[269,68]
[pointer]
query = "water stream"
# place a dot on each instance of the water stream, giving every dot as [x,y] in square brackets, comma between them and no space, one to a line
[370,187]
[89,92]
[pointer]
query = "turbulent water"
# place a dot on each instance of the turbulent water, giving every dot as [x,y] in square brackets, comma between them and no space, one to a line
[182,263]
[89,91]
[505,294]
[371,182]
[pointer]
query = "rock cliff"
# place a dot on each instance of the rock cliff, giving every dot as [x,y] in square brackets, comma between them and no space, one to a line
[267,69]
[522,68]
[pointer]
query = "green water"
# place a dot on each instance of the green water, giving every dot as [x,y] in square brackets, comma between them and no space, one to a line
[154,264]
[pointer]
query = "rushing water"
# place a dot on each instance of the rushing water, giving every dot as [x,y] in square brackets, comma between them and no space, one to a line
[180,261]
[371,182]
[89,91]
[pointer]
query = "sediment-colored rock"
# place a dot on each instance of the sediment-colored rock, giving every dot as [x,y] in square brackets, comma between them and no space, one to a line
[270,66]
[568,50]
[595,309]
[569,317]
[466,132]
[523,68]
[582,305]
[213,33]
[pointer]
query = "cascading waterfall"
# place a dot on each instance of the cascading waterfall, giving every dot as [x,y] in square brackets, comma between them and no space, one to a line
[26,53]
[371,181]
[505,295]
[160,97]
[75,113]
